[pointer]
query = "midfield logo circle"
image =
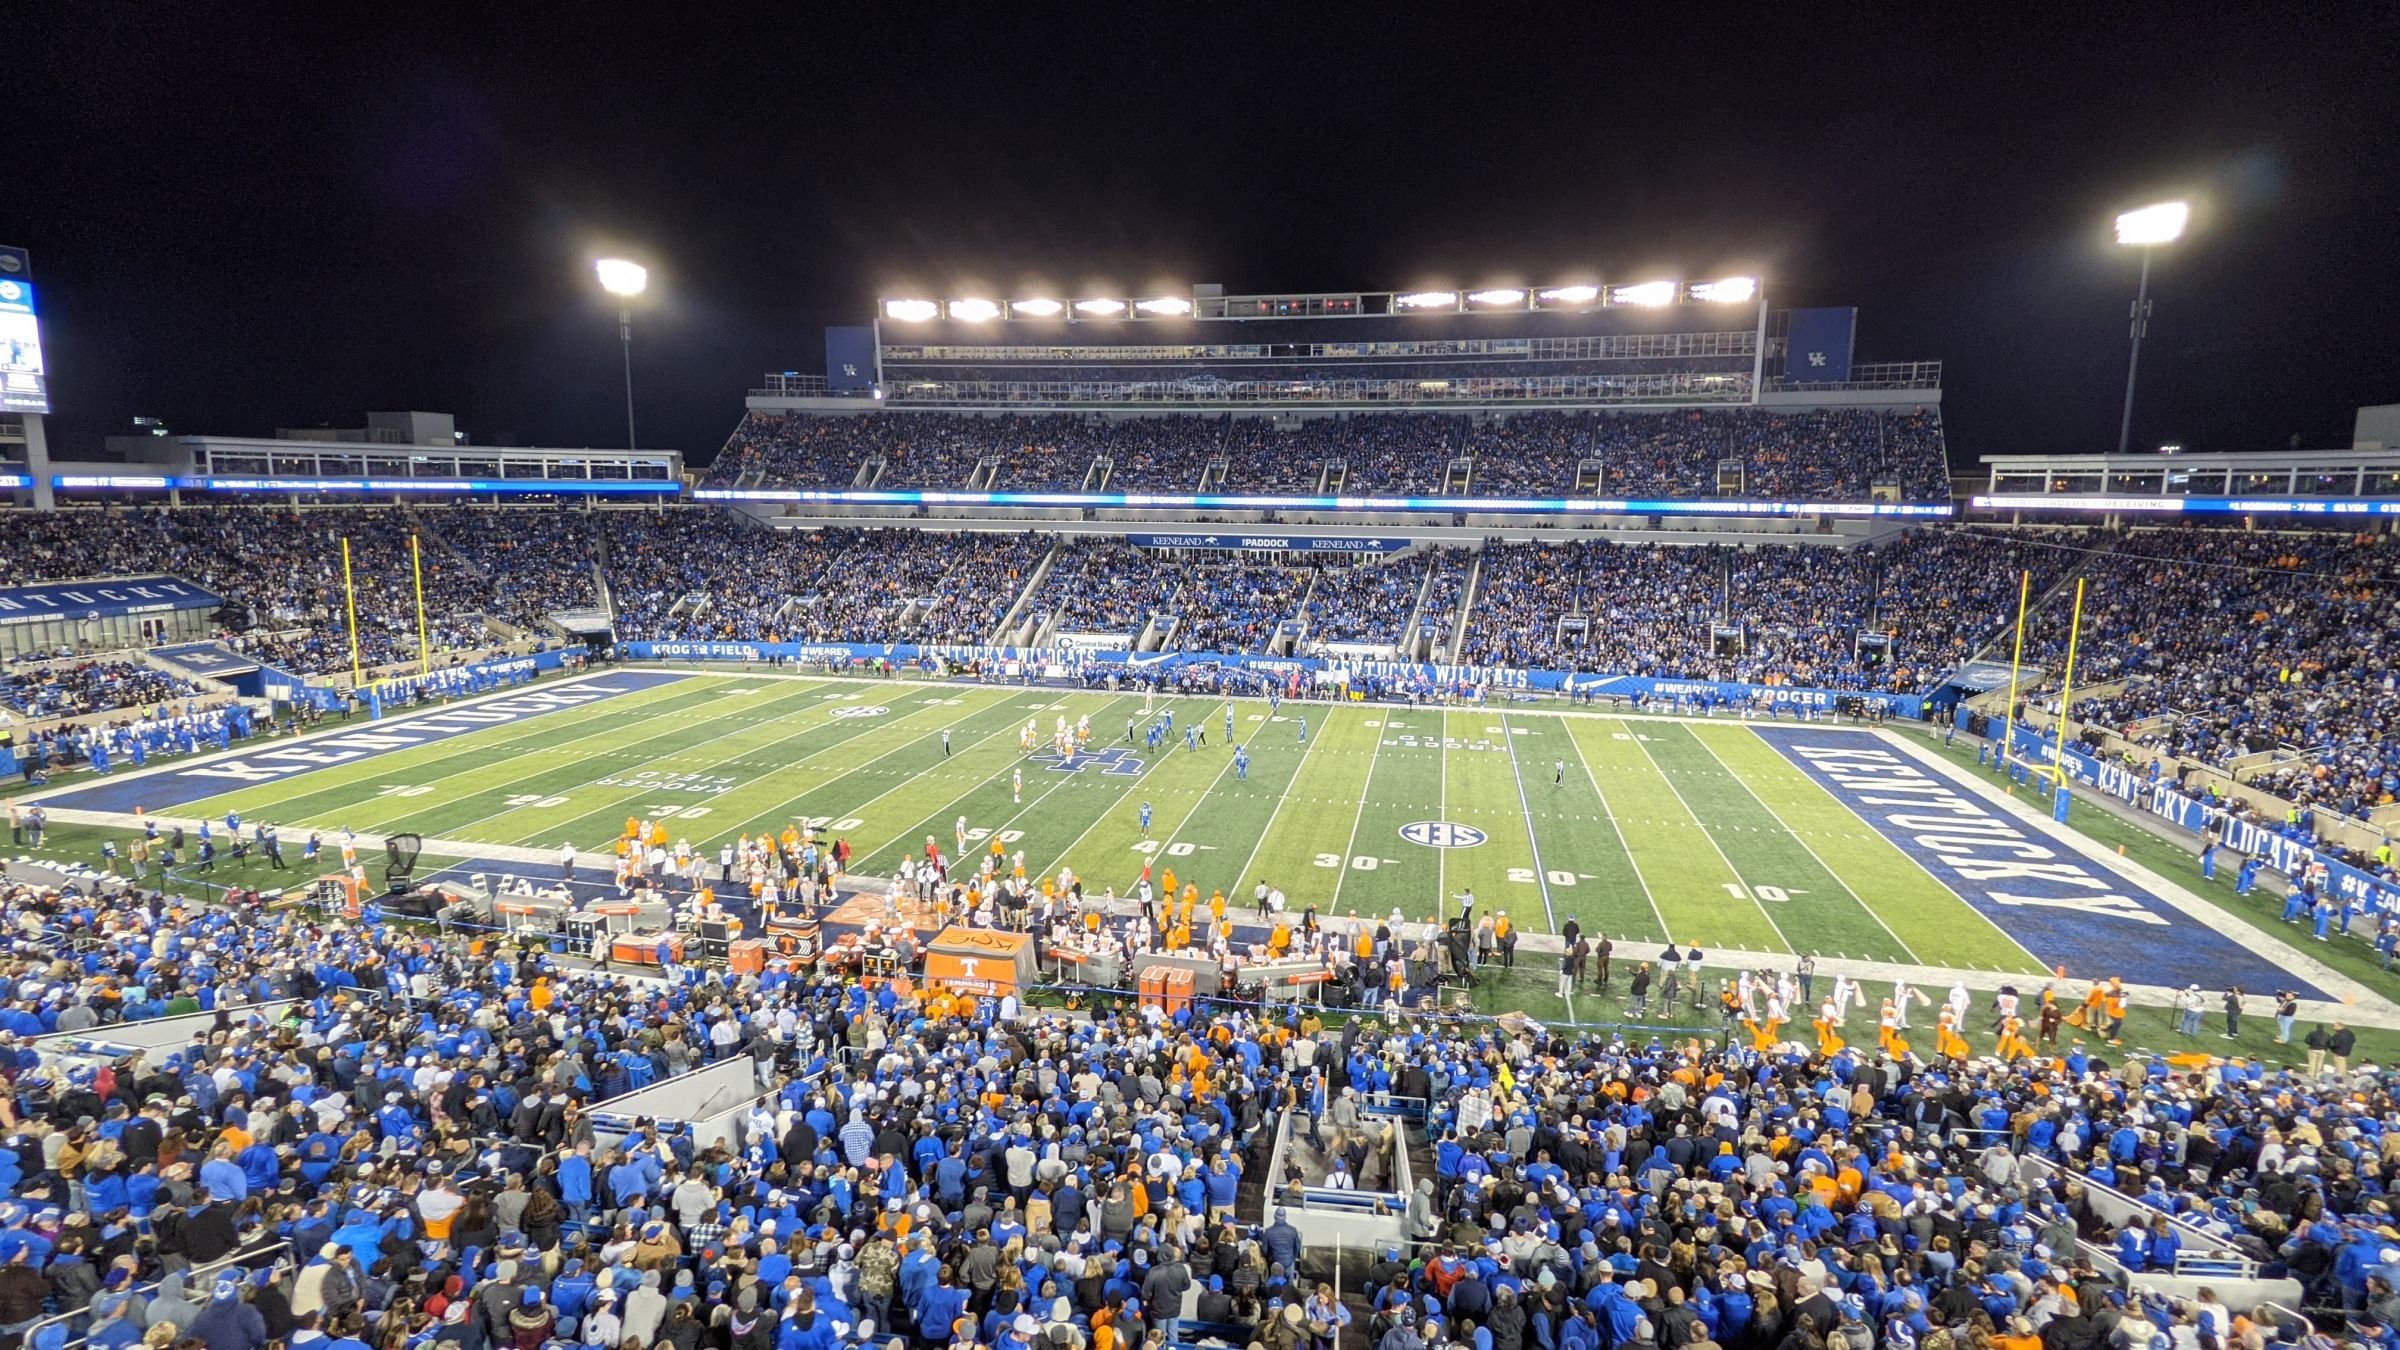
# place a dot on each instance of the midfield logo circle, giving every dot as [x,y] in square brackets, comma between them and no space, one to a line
[1442,834]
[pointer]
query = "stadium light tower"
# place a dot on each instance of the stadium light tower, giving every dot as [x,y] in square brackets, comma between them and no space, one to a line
[624,280]
[2145,229]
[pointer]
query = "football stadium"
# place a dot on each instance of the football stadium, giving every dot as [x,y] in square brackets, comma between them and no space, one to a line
[1561,815]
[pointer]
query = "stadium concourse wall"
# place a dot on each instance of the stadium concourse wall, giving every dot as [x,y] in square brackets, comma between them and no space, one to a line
[1403,673]
[2288,856]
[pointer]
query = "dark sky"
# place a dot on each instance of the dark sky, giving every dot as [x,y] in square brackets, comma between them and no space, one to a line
[252,215]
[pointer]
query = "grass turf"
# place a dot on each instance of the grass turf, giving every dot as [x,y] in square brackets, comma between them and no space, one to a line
[1636,827]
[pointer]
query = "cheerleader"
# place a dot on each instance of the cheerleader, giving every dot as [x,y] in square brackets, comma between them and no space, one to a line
[1767,1031]
[1889,1024]
[1947,1043]
[2012,1046]
[1846,995]
[1903,994]
[1829,1025]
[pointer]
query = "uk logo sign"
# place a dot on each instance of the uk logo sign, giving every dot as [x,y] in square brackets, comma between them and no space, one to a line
[1442,834]
[1114,759]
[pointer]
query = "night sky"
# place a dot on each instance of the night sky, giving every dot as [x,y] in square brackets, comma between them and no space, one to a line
[256,215]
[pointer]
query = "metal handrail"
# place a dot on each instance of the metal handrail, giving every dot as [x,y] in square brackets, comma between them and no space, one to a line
[249,1258]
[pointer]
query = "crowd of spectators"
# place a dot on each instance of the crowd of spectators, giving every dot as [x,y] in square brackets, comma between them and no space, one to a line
[410,1153]
[539,560]
[1386,454]
[1769,614]
[281,571]
[1262,458]
[1830,454]
[787,450]
[968,603]
[2237,643]
[1237,607]
[87,687]
[1445,591]
[1161,454]
[1103,586]
[1825,454]
[875,577]
[1367,602]
[1534,454]
[698,575]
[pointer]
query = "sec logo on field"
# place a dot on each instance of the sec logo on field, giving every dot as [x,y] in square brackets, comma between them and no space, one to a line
[876,710]
[1442,834]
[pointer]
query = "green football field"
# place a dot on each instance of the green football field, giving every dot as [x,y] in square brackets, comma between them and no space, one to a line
[1640,828]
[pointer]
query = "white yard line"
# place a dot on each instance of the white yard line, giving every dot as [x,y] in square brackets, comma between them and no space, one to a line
[2363,999]
[380,725]
[1349,851]
[860,809]
[1919,863]
[1836,877]
[1730,869]
[1609,814]
[1517,771]
[1022,807]
[1213,785]
[1297,770]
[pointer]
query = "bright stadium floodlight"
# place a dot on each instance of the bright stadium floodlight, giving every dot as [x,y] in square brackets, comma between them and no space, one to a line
[1039,308]
[1569,295]
[974,311]
[1165,304]
[1427,300]
[1503,296]
[624,279]
[910,311]
[2145,228]
[1100,307]
[2152,225]
[619,277]
[1652,293]
[1731,290]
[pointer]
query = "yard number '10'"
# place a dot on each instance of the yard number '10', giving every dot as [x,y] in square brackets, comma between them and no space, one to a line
[1774,895]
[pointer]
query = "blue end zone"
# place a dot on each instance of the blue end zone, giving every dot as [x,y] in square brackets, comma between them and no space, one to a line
[208,775]
[2065,908]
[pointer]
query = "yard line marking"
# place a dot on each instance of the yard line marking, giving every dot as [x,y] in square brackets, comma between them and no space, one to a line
[1441,856]
[377,819]
[383,760]
[618,801]
[1730,869]
[1838,879]
[1032,874]
[1607,814]
[1356,818]
[1531,839]
[1130,788]
[876,766]
[1297,770]
[1177,833]
[1919,863]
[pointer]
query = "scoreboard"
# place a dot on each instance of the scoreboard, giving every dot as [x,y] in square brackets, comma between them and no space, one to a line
[24,381]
